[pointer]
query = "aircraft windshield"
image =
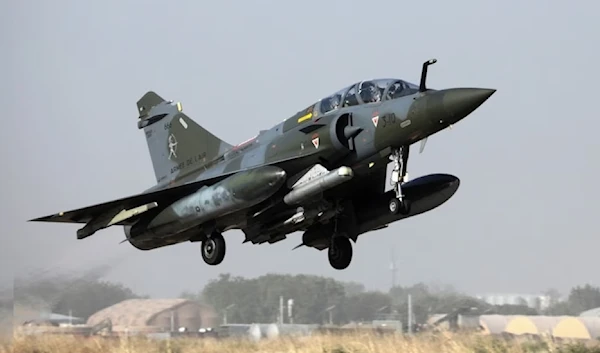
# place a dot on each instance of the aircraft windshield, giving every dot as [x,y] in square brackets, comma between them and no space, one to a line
[400,89]
[369,91]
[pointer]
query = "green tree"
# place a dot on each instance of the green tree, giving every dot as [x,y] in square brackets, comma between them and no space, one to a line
[61,294]
[583,298]
[554,296]
[257,300]
[366,306]
[509,309]
[353,288]
[560,308]
[87,298]
[426,303]
[422,302]
[243,294]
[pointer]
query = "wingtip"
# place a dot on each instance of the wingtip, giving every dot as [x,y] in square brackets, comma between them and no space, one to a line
[47,218]
[39,219]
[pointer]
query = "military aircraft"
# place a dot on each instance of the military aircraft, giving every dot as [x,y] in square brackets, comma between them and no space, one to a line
[322,171]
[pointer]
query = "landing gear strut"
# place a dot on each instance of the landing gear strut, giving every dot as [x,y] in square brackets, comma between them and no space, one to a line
[340,252]
[399,203]
[213,249]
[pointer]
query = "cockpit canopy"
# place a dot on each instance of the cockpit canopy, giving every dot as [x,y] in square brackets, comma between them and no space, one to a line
[367,92]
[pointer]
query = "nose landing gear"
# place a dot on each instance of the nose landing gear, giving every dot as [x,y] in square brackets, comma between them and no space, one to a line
[399,204]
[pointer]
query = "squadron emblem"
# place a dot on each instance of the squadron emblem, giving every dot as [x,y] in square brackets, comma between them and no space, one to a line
[172,146]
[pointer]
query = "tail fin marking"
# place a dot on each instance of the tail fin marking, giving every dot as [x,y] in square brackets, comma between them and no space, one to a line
[176,143]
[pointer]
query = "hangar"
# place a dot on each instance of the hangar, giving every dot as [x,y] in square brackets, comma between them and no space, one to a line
[578,327]
[591,313]
[156,315]
[532,325]
[494,324]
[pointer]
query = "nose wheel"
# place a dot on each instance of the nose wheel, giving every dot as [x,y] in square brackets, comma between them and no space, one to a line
[213,249]
[396,206]
[399,204]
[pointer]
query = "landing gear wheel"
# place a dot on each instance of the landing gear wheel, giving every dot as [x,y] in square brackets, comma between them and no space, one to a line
[340,252]
[396,206]
[213,249]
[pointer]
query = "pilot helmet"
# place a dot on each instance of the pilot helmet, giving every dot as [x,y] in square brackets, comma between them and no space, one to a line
[395,90]
[368,92]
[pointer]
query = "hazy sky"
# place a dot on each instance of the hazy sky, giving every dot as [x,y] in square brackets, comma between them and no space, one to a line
[523,220]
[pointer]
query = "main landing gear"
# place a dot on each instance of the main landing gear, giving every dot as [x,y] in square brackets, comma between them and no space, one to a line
[399,204]
[213,248]
[340,252]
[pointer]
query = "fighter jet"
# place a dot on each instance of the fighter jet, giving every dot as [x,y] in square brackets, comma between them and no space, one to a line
[322,172]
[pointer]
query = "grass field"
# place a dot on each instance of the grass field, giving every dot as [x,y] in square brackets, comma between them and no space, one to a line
[360,343]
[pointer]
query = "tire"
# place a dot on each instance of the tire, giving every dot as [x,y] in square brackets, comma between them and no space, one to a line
[340,252]
[213,249]
[394,205]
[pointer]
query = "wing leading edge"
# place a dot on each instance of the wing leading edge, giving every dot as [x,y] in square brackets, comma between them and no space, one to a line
[122,211]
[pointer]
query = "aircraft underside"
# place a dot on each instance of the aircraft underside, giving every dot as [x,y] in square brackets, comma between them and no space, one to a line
[331,210]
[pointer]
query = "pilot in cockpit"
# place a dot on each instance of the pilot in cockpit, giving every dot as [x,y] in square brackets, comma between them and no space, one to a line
[369,93]
[330,103]
[395,91]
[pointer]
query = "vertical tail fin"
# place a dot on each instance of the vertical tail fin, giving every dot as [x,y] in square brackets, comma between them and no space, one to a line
[177,144]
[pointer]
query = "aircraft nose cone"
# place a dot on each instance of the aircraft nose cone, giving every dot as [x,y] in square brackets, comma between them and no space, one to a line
[460,102]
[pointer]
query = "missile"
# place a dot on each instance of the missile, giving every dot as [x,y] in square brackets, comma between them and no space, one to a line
[236,192]
[317,185]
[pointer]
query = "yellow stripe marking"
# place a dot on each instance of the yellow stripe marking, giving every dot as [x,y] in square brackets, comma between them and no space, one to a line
[305,117]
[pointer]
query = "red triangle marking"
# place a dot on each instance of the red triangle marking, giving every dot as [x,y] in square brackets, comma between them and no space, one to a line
[315,142]
[375,120]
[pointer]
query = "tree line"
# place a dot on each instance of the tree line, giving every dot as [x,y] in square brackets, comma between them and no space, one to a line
[316,299]
[257,300]
[63,294]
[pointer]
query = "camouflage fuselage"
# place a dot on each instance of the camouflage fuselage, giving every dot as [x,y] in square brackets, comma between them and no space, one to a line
[326,163]
[297,143]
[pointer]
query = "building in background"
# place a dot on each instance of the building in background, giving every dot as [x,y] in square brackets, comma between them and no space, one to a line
[534,301]
[591,313]
[156,315]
